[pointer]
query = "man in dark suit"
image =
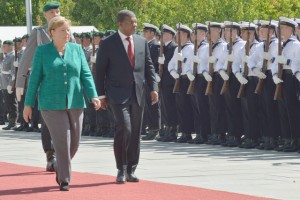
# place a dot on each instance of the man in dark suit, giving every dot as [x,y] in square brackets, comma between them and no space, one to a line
[123,67]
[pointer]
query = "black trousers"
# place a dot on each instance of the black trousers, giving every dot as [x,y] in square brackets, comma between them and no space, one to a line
[202,106]
[271,107]
[128,118]
[217,107]
[253,113]
[234,108]
[2,108]
[11,106]
[152,113]
[291,103]
[184,107]
[168,107]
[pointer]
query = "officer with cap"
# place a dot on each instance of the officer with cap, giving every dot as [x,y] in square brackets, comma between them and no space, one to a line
[183,100]
[7,78]
[77,37]
[217,101]
[254,117]
[152,113]
[37,37]
[272,124]
[201,77]
[3,117]
[290,84]
[20,50]
[168,98]
[233,104]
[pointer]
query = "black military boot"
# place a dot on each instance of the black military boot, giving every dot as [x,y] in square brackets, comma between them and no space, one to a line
[171,135]
[10,126]
[151,135]
[184,138]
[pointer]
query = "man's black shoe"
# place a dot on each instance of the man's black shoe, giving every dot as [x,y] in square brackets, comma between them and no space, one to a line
[64,186]
[121,177]
[9,127]
[151,135]
[51,165]
[185,137]
[132,178]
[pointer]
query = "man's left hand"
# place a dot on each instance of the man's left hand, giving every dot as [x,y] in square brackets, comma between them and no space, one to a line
[154,97]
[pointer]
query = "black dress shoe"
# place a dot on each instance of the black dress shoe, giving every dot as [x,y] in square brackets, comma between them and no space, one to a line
[151,135]
[185,137]
[121,177]
[132,178]
[64,186]
[51,165]
[9,127]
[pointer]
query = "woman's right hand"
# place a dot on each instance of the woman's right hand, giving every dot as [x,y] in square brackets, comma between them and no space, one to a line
[27,113]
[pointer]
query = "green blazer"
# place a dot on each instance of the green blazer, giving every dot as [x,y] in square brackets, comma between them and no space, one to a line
[58,80]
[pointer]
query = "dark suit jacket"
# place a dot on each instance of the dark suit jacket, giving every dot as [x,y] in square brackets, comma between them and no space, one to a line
[167,79]
[154,53]
[115,75]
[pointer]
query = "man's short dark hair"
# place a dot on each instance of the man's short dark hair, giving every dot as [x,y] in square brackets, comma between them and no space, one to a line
[123,14]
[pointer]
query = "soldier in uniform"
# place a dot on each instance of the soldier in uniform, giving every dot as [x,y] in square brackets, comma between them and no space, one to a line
[253,113]
[7,78]
[233,104]
[152,114]
[37,37]
[270,107]
[216,100]
[183,100]
[20,49]
[24,40]
[290,84]
[201,77]
[3,117]
[168,107]
[77,37]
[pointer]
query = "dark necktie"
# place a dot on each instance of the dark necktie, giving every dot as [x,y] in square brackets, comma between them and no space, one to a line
[130,52]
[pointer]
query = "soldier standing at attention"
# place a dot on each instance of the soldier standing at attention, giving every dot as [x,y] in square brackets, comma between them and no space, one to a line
[38,36]
[7,78]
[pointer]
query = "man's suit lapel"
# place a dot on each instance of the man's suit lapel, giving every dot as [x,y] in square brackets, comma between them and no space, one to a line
[119,45]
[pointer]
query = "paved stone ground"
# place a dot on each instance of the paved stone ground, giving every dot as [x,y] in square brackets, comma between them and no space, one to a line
[253,172]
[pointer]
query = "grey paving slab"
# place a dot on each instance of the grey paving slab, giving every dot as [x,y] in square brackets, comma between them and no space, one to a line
[253,172]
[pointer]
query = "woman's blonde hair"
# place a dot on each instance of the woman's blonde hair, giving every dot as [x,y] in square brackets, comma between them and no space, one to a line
[56,22]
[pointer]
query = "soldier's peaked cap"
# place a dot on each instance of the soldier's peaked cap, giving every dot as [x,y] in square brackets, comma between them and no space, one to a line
[51,5]
[184,28]
[167,28]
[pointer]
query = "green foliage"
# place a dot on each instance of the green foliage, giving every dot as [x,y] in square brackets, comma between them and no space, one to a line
[102,13]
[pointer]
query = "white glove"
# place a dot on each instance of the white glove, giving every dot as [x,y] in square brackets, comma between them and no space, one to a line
[282,60]
[277,80]
[245,59]
[229,58]
[179,57]
[298,76]
[16,64]
[19,93]
[174,74]
[212,59]
[161,60]
[266,56]
[207,77]
[190,76]
[157,77]
[93,59]
[240,78]
[258,73]
[224,75]
[196,59]
[9,89]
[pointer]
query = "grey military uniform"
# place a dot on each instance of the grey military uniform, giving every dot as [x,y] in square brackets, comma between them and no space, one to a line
[7,70]
[88,52]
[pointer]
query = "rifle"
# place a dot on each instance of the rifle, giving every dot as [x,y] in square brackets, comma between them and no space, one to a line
[242,89]
[260,83]
[278,91]
[209,86]
[13,87]
[225,86]
[176,88]
[191,88]
[161,66]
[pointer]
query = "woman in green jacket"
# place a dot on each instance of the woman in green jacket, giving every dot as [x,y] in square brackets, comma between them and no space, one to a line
[59,72]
